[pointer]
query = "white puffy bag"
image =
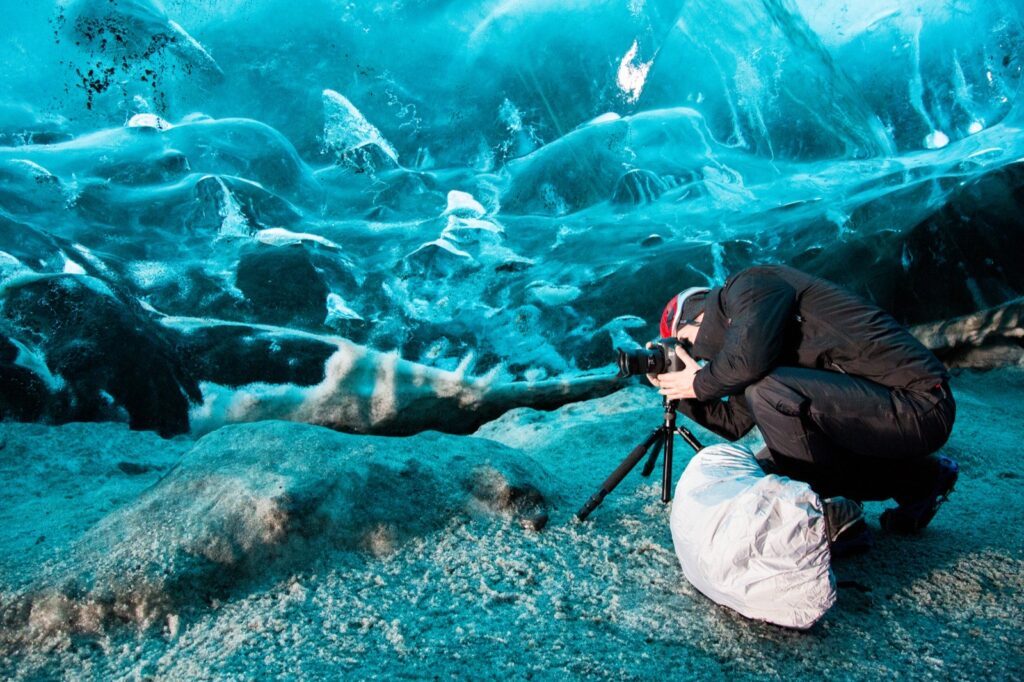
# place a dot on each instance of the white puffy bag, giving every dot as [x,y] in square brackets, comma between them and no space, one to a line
[756,543]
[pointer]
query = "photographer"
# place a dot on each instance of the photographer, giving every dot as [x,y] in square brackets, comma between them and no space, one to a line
[844,396]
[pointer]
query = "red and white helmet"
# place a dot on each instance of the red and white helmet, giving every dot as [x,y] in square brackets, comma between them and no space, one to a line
[672,316]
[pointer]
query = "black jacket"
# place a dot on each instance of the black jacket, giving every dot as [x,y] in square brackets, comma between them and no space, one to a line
[771,316]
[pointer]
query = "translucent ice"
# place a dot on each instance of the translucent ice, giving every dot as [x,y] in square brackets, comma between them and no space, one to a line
[347,130]
[504,197]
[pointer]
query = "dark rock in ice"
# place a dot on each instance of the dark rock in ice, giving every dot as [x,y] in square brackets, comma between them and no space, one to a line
[282,285]
[638,187]
[105,356]
[983,340]
[23,393]
[237,354]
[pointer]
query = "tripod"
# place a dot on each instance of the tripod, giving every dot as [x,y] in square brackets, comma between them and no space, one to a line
[662,437]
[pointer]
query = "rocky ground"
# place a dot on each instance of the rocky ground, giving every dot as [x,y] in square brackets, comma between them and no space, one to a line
[278,550]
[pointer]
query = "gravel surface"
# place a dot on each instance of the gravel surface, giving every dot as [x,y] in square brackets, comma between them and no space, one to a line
[107,571]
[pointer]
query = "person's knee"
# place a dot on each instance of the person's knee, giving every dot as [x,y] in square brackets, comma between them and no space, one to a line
[755,392]
[774,394]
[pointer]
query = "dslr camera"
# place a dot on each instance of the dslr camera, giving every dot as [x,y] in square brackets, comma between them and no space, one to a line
[659,357]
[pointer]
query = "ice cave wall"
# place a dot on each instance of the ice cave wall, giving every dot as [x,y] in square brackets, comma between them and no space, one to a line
[360,214]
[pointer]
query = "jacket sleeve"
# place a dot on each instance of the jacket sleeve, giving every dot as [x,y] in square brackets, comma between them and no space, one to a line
[759,304]
[729,419]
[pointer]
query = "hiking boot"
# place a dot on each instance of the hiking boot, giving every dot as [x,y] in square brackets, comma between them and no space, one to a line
[848,533]
[912,516]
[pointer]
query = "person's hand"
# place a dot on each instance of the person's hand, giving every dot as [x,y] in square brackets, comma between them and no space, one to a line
[678,385]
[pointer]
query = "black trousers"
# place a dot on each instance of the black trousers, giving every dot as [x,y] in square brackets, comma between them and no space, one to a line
[849,436]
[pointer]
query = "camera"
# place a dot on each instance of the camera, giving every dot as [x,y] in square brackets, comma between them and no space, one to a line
[658,358]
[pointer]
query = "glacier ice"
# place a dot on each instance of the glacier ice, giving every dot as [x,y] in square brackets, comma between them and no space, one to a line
[348,133]
[500,200]
[226,225]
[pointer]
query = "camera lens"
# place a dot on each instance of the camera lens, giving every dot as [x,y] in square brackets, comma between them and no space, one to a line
[642,361]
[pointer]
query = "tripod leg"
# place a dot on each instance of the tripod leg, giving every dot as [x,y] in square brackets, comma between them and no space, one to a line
[666,467]
[690,439]
[616,476]
[652,459]
[669,431]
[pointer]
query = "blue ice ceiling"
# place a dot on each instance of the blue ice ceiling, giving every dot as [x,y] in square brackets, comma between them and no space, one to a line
[405,215]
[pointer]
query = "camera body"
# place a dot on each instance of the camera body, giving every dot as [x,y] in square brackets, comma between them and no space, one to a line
[659,357]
